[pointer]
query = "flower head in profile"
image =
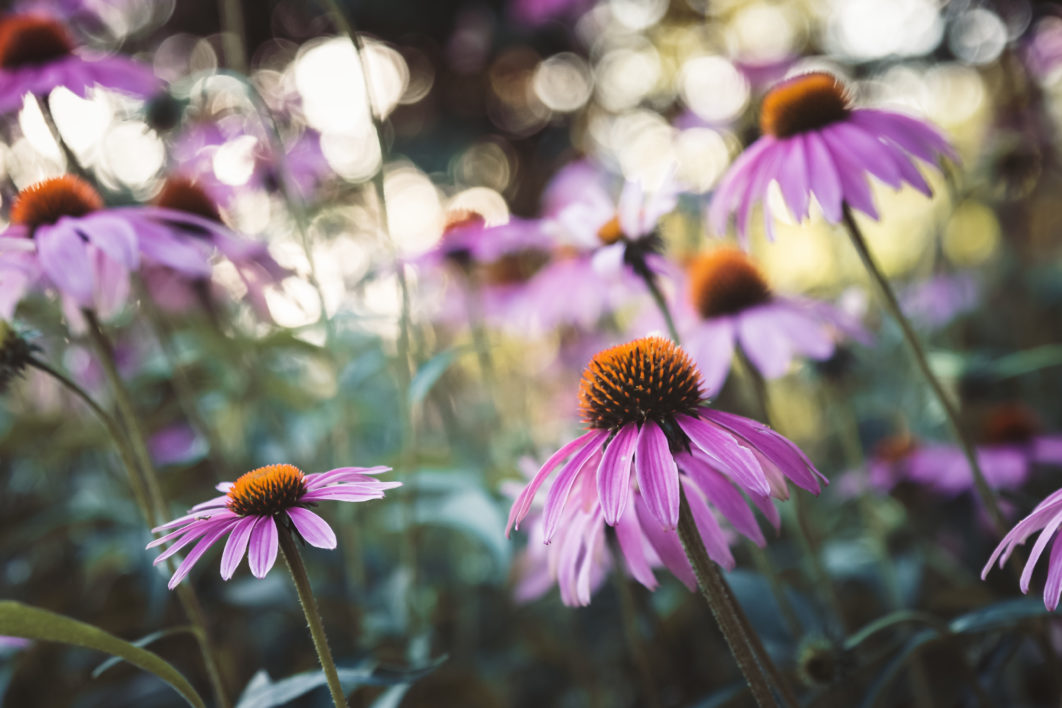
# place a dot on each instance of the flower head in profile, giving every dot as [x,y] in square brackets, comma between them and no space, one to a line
[648,425]
[730,305]
[250,509]
[38,54]
[815,143]
[1046,518]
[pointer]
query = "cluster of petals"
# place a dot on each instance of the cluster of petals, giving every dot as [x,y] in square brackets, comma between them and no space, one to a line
[830,162]
[1046,518]
[71,67]
[256,536]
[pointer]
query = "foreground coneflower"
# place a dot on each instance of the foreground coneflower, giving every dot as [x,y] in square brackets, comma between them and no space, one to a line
[730,305]
[38,54]
[1046,516]
[643,402]
[251,508]
[816,143]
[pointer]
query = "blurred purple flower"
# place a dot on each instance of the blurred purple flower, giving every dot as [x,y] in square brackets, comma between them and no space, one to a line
[1046,516]
[729,304]
[37,55]
[642,402]
[815,143]
[539,12]
[936,301]
[176,444]
[251,507]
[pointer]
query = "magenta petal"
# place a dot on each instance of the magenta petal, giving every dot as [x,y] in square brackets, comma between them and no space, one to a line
[114,236]
[200,548]
[657,474]
[822,174]
[314,530]
[614,473]
[523,502]
[720,492]
[1037,551]
[236,546]
[262,552]
[793,179]
[557,498]
[711,345]
[726,452]
[65,260]
[734,184]
[632,545]
[711,534]
[666,544]
[1053,586]
[763,341]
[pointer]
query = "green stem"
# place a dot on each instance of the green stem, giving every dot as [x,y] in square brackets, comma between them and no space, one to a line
[661,303]
[156,505]
[232,39]
[313,616]
[117,436]
[888,298]
[72,163]
[713,587]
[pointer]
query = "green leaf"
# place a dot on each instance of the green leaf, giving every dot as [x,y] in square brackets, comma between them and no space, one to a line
[430,373]
[142,642]
[19,620]
[1000,615]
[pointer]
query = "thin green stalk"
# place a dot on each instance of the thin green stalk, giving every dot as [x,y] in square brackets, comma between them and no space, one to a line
[156,507]
[73,164]
[232,38]
[661,304]
[117,436]
[313,616]
[889,300]
[713,587]
[629,619]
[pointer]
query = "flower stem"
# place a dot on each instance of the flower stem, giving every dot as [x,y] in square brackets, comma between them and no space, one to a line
[72,163]
[313,616]
[714,589]
[647,276]
[117,436]
[155,503]
[888,297]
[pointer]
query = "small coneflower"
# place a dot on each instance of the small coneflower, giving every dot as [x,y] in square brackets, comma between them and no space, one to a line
[1046,516]
[38,54]
[643,402]
[816,143]
[251,507]
[731,305]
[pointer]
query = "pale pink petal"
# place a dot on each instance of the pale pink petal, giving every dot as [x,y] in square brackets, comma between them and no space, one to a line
[523,502]
[236,546]
[584,460]
[726,452]
[657,474]
[822,173]
[264,543]
[632,545]
[711,346]
[313,529]
[1037,551]
[793,180]
[765,345]
[614,473]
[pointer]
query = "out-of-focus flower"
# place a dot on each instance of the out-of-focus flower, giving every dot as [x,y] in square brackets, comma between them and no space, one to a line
[938,300]
[251,507]
[643,404]
[1009,445]
[1046,516]
[730,304]
[600,243]
[539,12]
[15,353]
[37,55]
[478,270]
[815,143]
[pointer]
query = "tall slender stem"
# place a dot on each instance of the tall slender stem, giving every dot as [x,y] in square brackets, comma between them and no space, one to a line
[156,505]
[72,163]
[232,40]
[647,276]
[714,589]
[313,616]
[888,298]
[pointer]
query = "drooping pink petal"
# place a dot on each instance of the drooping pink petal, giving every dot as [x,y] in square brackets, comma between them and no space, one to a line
[657,474]
[341,492]
[765,345]
[313,529]
[614,473]
[1037,551]
[584,461]
[726,452]
[711,345]
[192,532]
[852,173]
[711,534]
[793,180]
[1053,586]
[1044,512]
[236,546]
[112,235]
[734,185]
[665,543]
[632,545]
[523,502]
[196,553]
[721,493]
[264,543]
[822,175]
[64,259]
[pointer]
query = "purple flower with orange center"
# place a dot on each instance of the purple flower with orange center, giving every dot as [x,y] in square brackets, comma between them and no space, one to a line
[815,143]
[1045,518]
[38,54]
[643,402]
[251,507]
[730,305]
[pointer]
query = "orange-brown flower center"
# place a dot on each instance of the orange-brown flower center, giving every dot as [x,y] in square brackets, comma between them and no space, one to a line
[648,379]
[182,194]
[45,202]
[803,103]
[32,40]
[611,231]
[514,268]
[724,282]
[895,448]
[1010,423]
[462,218]
[267,490]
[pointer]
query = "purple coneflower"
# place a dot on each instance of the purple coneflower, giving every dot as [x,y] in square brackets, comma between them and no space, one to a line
[37,55]
[643,402]
[1047,516]
[731,305]
[815,143]
[251,507]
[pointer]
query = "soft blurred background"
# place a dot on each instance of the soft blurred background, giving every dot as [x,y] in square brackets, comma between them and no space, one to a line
[479,105]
